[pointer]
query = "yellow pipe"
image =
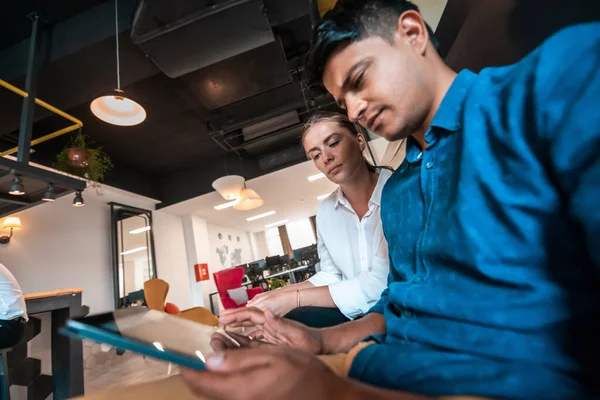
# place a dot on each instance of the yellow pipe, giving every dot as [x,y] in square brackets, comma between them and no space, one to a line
[22,93]
[43,138]
[41,103]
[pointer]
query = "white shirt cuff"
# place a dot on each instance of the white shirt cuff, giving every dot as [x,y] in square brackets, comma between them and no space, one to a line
[323,279]
[349,298]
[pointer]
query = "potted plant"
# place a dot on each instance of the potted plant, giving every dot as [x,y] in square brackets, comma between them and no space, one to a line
[81,160]
[276,283]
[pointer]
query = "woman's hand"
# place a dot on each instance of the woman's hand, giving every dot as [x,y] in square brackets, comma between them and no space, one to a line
[275,330]
[279,301]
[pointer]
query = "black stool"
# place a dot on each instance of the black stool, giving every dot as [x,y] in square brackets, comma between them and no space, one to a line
[4,378]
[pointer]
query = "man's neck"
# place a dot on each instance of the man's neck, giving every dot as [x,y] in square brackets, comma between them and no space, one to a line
[445,77]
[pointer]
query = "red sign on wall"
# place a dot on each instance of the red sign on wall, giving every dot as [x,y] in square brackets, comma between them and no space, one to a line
[201,272]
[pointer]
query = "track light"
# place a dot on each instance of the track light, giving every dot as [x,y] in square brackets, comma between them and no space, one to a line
[49,195]
[78,200]
[17,188]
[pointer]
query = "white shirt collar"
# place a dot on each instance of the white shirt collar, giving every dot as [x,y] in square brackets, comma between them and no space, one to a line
[384,175]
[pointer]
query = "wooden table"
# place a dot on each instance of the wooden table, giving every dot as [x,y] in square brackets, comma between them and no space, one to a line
[66,354]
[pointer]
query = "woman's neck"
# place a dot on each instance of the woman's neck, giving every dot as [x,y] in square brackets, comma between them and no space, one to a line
[359,191]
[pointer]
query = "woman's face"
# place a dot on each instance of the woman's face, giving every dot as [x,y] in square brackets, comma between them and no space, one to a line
[336,152]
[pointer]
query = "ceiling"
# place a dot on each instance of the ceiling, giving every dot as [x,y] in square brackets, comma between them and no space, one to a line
[206,70]
[288,192]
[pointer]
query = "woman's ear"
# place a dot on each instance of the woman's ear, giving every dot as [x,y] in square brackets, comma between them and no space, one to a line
[362,142]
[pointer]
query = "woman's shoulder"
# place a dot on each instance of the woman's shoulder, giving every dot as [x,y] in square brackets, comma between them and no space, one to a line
[328,205]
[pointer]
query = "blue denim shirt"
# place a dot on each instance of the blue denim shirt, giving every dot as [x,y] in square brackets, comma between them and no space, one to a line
[494,236]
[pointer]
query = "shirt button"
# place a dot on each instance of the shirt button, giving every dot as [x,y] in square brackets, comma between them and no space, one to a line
[407,313]
[418,280]
[429,165]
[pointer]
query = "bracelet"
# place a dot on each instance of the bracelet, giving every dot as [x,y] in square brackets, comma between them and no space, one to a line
[298,297]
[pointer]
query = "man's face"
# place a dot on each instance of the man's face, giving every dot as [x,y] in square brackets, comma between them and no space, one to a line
[383,85]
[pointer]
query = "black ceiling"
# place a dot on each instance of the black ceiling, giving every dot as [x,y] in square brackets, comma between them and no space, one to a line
[204,81]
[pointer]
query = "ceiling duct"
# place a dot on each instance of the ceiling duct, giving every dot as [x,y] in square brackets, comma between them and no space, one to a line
[185,35]
[270,125]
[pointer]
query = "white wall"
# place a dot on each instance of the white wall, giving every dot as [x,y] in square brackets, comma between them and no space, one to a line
[171,258]
[259,244]
[61,246]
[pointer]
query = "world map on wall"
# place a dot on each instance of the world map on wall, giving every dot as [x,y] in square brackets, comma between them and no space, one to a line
[228,258]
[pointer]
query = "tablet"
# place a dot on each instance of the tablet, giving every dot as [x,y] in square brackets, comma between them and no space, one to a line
[149,332]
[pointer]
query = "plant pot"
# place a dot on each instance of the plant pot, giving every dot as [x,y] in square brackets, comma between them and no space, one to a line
[78,158]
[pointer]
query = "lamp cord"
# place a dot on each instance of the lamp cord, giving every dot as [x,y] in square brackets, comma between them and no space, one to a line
[117,48]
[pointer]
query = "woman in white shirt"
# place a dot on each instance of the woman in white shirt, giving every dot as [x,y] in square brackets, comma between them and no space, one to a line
[13,313]
[351,245]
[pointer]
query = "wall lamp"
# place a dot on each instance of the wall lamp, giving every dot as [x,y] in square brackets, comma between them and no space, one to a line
[10,223]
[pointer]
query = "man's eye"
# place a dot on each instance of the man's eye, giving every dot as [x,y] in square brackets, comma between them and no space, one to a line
[358,81]
[333,144]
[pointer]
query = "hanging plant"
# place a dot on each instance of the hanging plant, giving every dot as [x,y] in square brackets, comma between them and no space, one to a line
[80,160]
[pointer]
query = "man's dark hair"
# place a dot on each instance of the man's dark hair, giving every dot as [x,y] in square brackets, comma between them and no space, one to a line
[353,20]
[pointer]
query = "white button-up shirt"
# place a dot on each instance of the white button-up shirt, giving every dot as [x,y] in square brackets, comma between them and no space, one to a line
[12,302]
[353,252]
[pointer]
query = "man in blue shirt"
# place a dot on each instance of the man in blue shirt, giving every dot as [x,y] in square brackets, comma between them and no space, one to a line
[492,222]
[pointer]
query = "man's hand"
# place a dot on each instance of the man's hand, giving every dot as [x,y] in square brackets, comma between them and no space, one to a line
[219,342]
[279,301]
[275,330]
[267,373]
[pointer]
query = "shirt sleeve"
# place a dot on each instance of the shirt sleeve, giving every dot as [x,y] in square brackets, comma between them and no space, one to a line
[568,121]
[329,273]
[355,296]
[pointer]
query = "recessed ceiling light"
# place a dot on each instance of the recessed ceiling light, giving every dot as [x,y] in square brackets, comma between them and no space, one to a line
[259,216]
[323,196]
[140,230]
[276,223]
[133,250]
[226,205]
[315,177]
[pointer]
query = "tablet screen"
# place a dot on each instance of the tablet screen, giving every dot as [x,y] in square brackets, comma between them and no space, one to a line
[165,332]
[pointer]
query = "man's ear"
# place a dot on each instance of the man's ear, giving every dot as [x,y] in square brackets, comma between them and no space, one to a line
[412,29]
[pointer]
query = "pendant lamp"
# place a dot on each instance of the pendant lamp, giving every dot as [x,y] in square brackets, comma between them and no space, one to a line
[229,186]
[249,200]
[116,108]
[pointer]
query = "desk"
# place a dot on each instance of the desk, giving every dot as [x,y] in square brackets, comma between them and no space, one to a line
[290,273]
[66,354]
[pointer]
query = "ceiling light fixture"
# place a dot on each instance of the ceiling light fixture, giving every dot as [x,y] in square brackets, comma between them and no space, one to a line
[49,195]
[140,230]
[259,216]
[78,199]
[229,186]
[115,108]
[323,196]
[17,188]
[249,200]
[315,177]
[278,223]
[133,250]
[226,205]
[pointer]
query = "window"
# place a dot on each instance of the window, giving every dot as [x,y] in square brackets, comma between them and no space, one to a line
[301,234]
[273,242]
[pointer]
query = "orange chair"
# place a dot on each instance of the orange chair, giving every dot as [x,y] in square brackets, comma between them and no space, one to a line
[155,293]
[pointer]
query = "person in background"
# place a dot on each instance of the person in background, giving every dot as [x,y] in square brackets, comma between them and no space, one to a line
[492,222]
[352,250]
[13,313]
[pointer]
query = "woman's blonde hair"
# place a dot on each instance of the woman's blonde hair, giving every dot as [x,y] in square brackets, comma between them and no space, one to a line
[344,122]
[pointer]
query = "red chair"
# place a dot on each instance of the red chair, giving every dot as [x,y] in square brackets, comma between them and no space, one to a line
[232,279]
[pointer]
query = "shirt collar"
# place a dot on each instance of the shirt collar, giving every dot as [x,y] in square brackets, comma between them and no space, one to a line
[384,174]
[448,116]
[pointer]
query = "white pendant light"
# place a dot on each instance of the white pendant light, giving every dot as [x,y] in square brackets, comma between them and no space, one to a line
[249,200]
[229,186]
[116,108]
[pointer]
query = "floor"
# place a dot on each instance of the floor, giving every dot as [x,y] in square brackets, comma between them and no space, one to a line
[104,368]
